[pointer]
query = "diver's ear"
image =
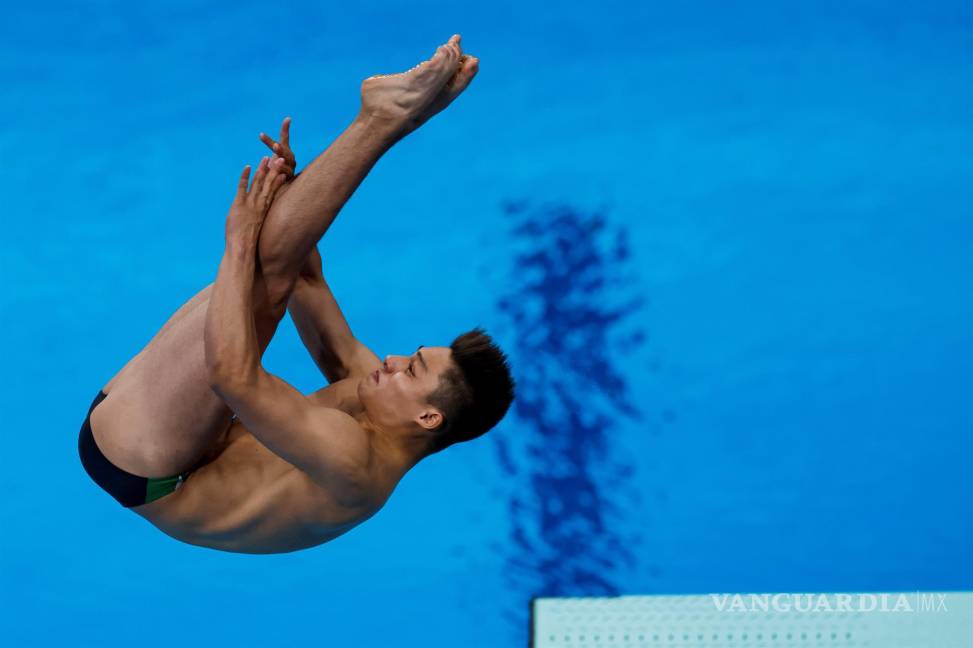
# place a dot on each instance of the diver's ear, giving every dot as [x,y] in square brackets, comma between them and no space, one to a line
[430,419]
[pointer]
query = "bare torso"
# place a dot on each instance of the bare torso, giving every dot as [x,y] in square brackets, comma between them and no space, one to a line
[244,498]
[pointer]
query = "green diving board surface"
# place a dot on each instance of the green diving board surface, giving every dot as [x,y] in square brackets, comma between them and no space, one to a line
[845,620]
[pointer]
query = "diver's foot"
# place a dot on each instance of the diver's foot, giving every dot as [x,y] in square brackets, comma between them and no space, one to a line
[401,99]
[468,67]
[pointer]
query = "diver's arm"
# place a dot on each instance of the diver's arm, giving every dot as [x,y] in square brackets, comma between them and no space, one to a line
[230,336]
[325,443]
[323,327]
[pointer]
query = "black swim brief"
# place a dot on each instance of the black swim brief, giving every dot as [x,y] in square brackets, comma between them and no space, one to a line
[130,490]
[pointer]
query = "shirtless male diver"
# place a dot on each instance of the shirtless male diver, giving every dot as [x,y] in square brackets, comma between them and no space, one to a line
[196,437]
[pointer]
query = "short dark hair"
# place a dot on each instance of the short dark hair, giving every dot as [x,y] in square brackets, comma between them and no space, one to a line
[475,392]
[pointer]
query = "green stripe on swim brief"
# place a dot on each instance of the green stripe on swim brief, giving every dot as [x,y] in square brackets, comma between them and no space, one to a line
[156,487]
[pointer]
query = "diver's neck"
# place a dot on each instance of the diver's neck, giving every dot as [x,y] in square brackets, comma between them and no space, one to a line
[405,447]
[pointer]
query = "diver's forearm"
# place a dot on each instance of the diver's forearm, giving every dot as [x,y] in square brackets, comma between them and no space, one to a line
[230,337]
[322,327]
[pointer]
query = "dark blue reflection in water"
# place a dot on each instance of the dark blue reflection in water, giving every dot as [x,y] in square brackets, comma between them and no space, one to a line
[569,302]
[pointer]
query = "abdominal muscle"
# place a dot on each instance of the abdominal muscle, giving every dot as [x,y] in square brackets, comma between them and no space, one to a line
[246,499]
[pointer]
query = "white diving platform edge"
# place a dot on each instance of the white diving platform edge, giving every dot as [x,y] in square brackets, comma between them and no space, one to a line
[833,620]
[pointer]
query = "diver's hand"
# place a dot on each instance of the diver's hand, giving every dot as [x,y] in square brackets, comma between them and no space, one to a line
[249,208]
[283,160]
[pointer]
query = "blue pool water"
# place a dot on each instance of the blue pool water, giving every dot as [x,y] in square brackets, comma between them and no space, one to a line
[728,248]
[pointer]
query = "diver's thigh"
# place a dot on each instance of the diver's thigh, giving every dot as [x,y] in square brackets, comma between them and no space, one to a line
[199,300]
[160,414]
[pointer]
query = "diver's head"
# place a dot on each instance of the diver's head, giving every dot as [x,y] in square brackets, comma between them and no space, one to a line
[449,394]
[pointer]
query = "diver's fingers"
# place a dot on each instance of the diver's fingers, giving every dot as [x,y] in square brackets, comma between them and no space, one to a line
[241,188]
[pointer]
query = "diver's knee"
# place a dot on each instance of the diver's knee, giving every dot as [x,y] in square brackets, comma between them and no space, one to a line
[279,288]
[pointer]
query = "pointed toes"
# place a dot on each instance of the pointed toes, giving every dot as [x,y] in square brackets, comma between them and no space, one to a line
[463,76]
[470,66]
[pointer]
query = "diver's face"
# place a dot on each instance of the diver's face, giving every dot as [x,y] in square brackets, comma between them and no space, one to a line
[398,390]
